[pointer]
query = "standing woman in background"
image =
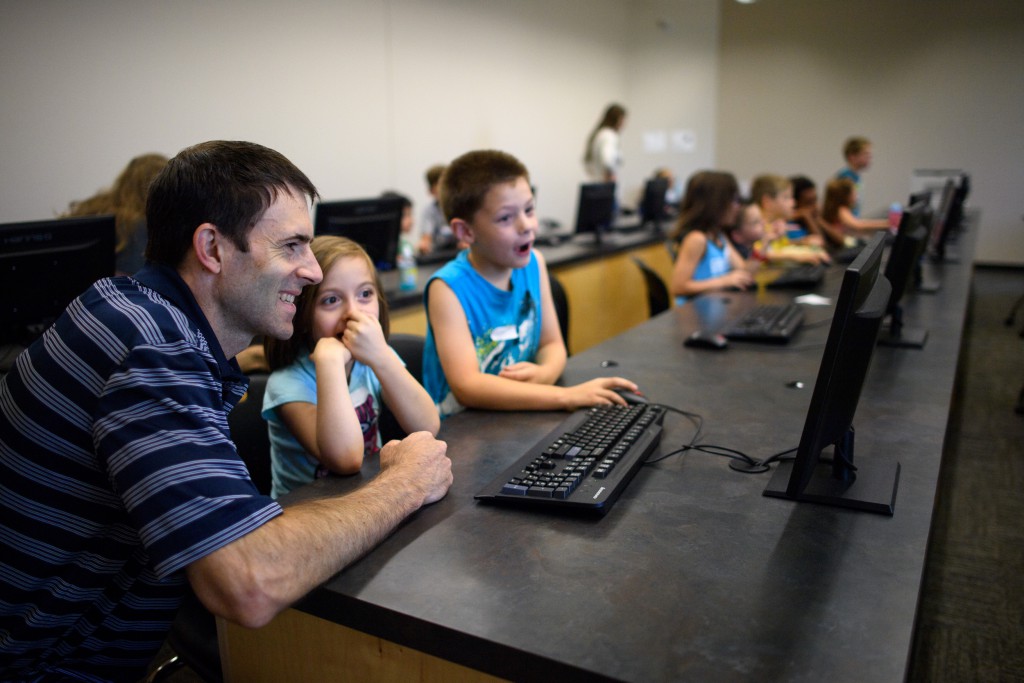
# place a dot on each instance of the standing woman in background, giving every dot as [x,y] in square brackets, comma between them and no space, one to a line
[602,157]
[126,199]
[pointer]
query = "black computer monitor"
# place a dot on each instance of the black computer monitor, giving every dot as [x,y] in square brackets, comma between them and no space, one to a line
[44,265]
[948,219]
[652,205]
[596,209]
[869,485]
[928,220]
[904,259]
[375,224]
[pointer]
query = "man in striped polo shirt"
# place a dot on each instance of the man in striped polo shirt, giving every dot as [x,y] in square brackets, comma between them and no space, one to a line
[118,478]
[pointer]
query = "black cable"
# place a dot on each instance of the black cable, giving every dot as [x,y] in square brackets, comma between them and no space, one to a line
[778,456]
[695,418]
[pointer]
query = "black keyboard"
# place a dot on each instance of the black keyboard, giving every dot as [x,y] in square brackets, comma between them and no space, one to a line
[804,276]
[771,323]
[584,463]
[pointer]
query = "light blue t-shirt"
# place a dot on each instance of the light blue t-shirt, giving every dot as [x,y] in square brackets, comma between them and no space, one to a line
[714,263]
[505,325]
[290,465]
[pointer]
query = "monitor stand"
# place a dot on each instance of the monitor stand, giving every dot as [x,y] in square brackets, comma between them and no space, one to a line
[873,489]
[896,335]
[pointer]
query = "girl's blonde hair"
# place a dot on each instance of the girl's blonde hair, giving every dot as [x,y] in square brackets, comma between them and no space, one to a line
[328,250]
[126,198]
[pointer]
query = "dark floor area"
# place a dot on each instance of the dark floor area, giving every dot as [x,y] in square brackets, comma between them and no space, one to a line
[971,616]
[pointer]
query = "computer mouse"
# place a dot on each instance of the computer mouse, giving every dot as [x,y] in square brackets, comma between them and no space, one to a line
[702,339]
[631,396]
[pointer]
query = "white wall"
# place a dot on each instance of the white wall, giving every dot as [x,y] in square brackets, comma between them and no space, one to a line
[934,84]
[363,95]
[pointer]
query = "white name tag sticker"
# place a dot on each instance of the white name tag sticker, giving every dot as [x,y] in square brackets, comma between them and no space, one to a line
[504,333]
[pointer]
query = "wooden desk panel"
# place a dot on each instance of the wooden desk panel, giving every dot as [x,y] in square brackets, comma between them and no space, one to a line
[329,652]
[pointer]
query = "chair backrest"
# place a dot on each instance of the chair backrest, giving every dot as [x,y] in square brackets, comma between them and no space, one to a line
[249,432]
[657,292]
[409,348]
[561,307]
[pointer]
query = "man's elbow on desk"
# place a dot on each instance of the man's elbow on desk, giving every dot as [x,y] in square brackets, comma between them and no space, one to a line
[229,588]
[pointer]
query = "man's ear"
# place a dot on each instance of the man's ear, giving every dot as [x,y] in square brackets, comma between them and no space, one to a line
[207,243]
[463,231]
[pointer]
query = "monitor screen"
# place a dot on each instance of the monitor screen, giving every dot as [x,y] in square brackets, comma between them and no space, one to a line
[904,258]
[871,485]
[375,224]
[652,206]
[596,209]
[44,265]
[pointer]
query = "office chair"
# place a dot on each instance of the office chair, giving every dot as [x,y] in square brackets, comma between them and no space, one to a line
[409,348]
[657,293]
[193,635]
[561,307]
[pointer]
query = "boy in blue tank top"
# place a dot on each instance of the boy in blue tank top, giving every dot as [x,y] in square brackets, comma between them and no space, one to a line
[493,340]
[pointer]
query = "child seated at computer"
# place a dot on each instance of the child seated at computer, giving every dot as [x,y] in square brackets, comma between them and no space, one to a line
[325,392]
[784,241]
[705,260]
[746,235]
[837,210]
[807,212]
[435,233]
[493,340]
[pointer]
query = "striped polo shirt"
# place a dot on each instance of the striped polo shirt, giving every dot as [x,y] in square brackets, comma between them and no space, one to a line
[116,472]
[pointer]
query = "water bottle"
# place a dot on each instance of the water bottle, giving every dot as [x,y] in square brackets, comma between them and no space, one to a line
[895,214]
[406,266]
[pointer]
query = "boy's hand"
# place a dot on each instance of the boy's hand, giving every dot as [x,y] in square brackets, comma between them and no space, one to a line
[598,391]
[521,372]
[364,338]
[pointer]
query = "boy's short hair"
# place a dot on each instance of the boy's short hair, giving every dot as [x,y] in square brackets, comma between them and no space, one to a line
[767,185]
[467,180]
[854,145]
[433,174]
[229,184]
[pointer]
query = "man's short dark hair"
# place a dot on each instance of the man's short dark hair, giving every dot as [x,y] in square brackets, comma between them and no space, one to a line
[228,184]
